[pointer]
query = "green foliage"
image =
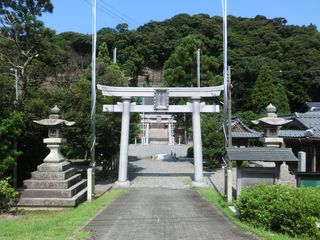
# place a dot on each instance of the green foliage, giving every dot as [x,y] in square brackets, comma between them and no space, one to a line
[190,152]
[103,54]
[220,203]
[180,70]
[265,91]
[243,164]
[212,138]
[10,129]
[7,92]
[281,208]
[283,102]
[22,36]
[7,195]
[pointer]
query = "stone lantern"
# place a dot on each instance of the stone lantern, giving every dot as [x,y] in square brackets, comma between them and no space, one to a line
[271,124]
[55,183]
[55,139]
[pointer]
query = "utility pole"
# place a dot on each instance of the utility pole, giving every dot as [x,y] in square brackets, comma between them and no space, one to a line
[15,143]
[229,108]
[198,67]
[17,87]
[93,95]
[143,125]
[227,104]
[185,129]
[225,71]
[115,55]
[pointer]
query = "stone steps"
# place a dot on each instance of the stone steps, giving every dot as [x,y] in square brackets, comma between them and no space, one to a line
[52,184]
[53,175]
[54,202]
[54,167]
[55,193]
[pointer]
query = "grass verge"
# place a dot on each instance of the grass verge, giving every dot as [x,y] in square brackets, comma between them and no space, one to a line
[213,197]
[61,224]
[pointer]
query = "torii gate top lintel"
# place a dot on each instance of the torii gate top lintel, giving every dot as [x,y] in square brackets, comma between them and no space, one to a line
[150,91]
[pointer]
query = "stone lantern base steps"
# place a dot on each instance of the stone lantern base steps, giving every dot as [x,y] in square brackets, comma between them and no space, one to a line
[54,185]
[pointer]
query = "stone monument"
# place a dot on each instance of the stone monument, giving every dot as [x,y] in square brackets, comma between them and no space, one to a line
[55,183]
[271,124]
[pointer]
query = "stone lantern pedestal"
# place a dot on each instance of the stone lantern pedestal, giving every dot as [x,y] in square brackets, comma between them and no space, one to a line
[55,183]
[54,145]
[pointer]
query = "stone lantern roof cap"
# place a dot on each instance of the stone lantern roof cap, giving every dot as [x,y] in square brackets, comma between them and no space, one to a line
[54,119]
[271,109]
[272,118]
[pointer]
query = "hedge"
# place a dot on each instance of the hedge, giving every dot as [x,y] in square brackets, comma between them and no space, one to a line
[281,208]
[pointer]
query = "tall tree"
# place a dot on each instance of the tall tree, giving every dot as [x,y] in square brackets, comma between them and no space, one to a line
[180,69]
[21,35]
[266,91]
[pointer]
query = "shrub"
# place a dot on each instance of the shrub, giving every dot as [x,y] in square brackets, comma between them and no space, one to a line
[190,152]
[7,195]
[281,208]
[212,163]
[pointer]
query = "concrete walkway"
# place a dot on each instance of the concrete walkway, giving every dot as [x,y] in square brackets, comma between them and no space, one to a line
[149,173]
[161,204]
[171,214]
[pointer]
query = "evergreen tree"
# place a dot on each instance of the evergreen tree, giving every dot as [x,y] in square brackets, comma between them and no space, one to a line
[265,91]
[283,102]
[180,70]
[103,53]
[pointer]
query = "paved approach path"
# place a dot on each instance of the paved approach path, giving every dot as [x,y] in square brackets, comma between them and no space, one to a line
[161,205]
[162,214]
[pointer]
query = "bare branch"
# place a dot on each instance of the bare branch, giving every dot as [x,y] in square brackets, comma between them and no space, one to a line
[5,58]
[15,33]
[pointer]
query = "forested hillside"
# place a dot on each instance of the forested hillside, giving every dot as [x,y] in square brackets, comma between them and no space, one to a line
[291,53]
[269,60]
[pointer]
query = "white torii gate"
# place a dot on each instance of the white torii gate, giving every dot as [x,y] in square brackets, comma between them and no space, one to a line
[161,105]
[157,118]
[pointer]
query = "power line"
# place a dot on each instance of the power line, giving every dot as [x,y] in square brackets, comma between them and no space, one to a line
[111,14]
[121,13]
[118,14]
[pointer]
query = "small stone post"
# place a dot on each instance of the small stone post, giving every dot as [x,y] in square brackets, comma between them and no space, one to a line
[229,185]
[169,133]
[239,178]
[147,134]
[302,161]
[89,185]
[278,172]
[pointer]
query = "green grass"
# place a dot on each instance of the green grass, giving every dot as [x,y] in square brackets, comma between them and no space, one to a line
[62,224]
[187,181]
[213,197]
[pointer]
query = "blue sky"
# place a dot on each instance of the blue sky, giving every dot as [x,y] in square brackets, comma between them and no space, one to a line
[75,15]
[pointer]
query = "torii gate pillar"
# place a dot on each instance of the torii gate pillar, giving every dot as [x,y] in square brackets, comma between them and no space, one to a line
[197,144]
[123,181]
